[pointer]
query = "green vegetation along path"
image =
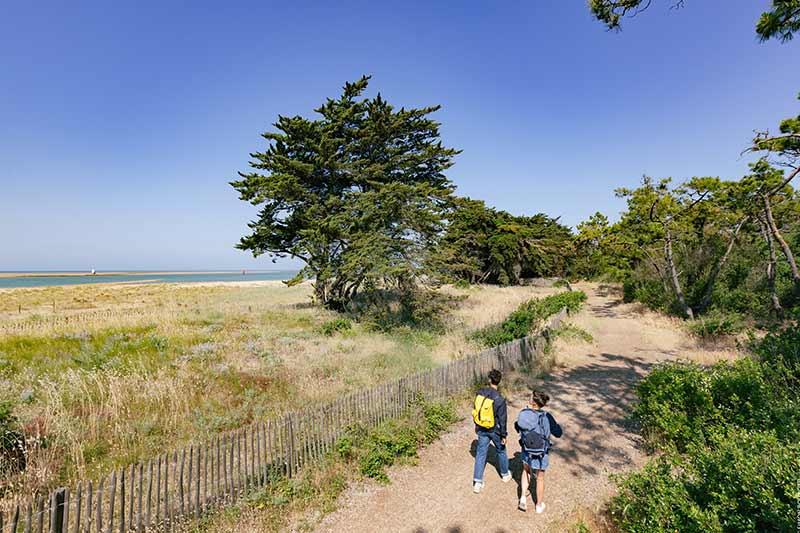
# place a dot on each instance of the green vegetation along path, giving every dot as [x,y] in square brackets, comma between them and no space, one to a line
[591,392]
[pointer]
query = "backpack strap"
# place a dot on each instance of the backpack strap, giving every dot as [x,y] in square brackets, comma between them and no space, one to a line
[481,407]
[545,434]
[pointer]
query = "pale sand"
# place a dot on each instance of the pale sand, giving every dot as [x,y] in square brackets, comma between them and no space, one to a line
[117,273]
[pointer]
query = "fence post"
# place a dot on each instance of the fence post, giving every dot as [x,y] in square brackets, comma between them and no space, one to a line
[57,511]
[231,465]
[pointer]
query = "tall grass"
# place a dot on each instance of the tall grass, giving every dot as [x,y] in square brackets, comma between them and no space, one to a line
[528,316]
[192,361]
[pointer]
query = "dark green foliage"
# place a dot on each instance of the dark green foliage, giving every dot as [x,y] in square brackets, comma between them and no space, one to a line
[379,448]
[675,405]
[528,316]
[656,500]
[648,291]
[12,441]
[743,481]
[703,246]
[485,245]
[781,21]
[747,478]
[336,325]
[359,195]
[731,437]
[386,310]
[716,324]
[780,353]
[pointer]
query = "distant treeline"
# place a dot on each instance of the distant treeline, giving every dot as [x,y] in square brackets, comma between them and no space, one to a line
[360,195]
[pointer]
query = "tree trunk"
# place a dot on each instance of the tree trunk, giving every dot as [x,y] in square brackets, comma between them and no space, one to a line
[776,302]
[712,279]
[778,237]
[673,271]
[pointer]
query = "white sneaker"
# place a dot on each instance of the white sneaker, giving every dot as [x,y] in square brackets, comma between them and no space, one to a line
[506,478]
[540,508]
[477,486]
[523,504]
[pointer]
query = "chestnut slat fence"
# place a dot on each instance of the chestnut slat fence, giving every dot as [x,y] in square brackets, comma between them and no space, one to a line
[180,485]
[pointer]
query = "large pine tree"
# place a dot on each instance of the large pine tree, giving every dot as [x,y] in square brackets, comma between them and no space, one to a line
[358,194]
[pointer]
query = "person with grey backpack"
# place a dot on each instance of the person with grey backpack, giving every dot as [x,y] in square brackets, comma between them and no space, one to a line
[535,427]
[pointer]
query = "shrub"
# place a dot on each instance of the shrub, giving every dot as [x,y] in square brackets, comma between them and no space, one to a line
[12,441]
[736,428]
[741,394]
[337,325]
[747,478]
[654,500]
[716,324]
[779,351]
[742,481]
[377,449]
[675,405]
[528,316]
[647,291]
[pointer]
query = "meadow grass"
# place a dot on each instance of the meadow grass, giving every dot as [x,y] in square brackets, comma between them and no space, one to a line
[166,365]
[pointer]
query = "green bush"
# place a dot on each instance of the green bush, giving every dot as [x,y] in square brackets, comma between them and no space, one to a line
[528,316]
[748,479]
[732,437]
[742,481]
[716,324]
[779,351]
[676,405]
[741,394]
[337,325]
[12,440]
[647,291]
[377,449]
[655,500]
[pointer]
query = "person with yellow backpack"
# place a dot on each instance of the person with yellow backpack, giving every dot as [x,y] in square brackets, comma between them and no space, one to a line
[490,416]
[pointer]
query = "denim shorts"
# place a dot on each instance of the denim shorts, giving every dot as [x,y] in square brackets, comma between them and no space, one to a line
[538,462]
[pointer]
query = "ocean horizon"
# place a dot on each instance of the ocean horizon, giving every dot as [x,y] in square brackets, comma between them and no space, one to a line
[49,278]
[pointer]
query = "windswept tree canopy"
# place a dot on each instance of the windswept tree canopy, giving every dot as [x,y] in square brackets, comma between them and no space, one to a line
[486,245]
[781,21]
[358,194]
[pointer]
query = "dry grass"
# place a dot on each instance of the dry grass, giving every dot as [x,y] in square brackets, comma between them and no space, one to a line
[655,333]
[139,369]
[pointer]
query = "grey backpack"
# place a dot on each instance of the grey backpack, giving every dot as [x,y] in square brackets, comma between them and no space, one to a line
[536,440]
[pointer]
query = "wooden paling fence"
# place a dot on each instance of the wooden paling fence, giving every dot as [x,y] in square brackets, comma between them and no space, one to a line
[87,317]
[180,485]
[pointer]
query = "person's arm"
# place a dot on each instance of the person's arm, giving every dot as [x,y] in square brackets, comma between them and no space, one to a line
[501,417]
[555,429]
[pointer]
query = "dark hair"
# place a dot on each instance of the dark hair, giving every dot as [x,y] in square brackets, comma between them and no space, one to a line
[495,376]
[540,398]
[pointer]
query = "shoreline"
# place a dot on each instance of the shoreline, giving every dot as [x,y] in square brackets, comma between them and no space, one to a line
[65,274]
[198,284]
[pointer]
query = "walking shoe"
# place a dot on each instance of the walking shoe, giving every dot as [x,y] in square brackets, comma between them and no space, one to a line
[477,486]
[506,478]
[540,508]
[523,504]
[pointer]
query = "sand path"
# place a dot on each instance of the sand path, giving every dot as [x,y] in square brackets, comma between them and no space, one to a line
[591,398]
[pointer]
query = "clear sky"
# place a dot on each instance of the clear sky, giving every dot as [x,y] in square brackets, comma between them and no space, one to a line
[121,123]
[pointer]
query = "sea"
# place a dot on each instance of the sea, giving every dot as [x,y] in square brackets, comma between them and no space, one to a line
[44,279]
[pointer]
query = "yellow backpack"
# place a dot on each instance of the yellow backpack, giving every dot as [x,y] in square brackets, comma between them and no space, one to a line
[483,411]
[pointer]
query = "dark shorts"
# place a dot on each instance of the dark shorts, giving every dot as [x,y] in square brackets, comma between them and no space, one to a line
[539,462]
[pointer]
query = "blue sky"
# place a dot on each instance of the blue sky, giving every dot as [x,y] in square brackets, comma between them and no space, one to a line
[121,123]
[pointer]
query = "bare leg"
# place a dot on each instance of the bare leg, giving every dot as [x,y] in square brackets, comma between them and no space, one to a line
[524,482]
[539,486]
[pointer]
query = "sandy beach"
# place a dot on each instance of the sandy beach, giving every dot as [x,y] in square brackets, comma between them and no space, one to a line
[115,273]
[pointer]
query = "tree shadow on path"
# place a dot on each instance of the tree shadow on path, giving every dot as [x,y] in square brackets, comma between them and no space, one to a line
[593,403]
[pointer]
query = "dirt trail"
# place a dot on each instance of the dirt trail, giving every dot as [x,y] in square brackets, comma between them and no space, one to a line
[591,396]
